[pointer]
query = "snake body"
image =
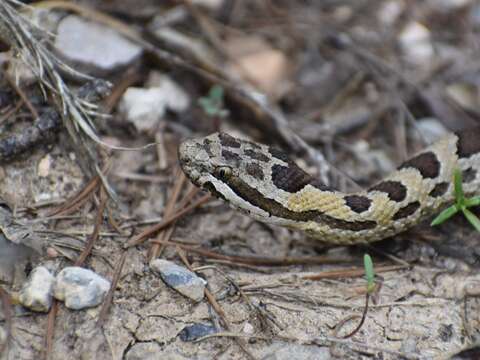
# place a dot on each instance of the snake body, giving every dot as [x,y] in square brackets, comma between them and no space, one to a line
[265,183]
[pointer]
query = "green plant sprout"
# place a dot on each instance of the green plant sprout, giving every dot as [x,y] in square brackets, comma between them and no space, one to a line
[371,288]
[461,204]
[213,103]
[369,273]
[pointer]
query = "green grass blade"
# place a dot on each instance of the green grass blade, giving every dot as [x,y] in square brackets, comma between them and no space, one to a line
[457,181]
[474,201]
[369,272]
[472,219]
[445,215]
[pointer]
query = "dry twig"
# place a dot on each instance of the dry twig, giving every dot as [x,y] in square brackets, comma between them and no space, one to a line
[109,298]
[138,239]
[156,249]
[257,260]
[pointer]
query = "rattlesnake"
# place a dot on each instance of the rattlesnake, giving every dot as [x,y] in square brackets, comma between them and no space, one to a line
[270,187]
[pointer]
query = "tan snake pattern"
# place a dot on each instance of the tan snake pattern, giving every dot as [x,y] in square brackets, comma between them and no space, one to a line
[266,184]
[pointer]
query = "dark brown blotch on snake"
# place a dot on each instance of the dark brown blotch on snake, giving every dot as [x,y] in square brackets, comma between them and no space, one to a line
[229,141]
[468,142]
[395,190]
[358,203]
[427,163]
[289,178]
[439,190]
[256,155]
[406,211]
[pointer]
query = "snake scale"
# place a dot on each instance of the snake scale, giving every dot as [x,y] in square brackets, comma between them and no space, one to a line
[265,183]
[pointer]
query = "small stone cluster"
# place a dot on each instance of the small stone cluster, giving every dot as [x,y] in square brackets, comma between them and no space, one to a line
[77,287]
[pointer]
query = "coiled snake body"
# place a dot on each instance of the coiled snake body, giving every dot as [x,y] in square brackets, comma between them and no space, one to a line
[266,184]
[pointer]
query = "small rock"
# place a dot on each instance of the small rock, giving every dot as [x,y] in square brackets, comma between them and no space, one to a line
[94,48]
[142,107]
[179,278]
[174,96]
[80,288]
[36,293]
[416,44]
[145,107]
[196,331]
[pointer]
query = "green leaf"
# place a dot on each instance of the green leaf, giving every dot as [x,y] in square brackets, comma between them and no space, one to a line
[472,219]
[475,201]
[461,203]
[445,215]
[369,273]
[216,93]
[457,181]
[212,104]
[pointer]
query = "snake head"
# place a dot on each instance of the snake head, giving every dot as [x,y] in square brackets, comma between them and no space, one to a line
[251,177]
[208,160]
[233,169]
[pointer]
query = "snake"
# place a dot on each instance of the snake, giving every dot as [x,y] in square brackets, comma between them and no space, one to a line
[269,186]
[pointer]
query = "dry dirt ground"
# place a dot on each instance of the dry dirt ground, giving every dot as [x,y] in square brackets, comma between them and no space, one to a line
[346,84]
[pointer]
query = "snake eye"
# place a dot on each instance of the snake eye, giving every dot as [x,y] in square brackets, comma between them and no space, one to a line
[223,172]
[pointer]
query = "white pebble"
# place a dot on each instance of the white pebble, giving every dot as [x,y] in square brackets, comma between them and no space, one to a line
[144,107]
[80,288]
[36,293]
